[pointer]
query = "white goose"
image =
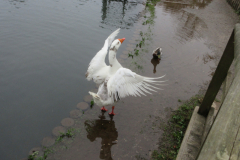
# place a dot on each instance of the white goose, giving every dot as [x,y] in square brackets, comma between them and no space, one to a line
[118,82]
[97,69]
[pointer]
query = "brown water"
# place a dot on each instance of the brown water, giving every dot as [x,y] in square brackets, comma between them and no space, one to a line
[44,74]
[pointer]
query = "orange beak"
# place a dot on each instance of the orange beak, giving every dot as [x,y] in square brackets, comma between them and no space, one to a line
[121,40]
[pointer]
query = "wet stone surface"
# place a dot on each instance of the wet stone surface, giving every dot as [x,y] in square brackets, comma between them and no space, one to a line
[48,141]
[88,98]
[75,113]
[82,105]
[57,130]
[67,122]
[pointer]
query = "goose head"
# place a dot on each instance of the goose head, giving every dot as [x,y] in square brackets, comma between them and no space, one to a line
[116,44]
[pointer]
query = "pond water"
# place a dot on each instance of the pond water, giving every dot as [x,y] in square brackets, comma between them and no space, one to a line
[45,50]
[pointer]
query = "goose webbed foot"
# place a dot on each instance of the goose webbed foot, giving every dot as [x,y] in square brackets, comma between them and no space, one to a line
[112,113]
[103,109]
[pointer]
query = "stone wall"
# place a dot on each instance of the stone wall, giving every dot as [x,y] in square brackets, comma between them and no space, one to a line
[235,4]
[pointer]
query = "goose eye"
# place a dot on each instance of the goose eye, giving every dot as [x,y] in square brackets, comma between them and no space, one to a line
[118,43]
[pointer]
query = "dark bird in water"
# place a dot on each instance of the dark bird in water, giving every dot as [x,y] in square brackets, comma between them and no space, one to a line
[157,53]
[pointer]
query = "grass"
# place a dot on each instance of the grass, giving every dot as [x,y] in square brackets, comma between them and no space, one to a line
[174,131]
[68,134]
[46,151]
[35,154]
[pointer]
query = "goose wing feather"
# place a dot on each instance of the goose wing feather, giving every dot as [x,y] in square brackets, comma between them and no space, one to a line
[98,61]
[125,82]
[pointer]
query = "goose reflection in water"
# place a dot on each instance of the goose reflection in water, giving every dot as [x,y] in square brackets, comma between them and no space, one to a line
[104,129]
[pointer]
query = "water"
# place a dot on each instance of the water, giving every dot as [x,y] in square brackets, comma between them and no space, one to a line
[45,50]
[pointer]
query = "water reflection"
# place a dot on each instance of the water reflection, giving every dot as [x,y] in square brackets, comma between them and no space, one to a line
[176,5]
[17,3]
[189,26]
[120,13]
[16,0]
[155,62]
[104,129]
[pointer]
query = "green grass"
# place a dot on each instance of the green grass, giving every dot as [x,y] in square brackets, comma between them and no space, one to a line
[46,151]
[35,154]
[174,131]
[68,134]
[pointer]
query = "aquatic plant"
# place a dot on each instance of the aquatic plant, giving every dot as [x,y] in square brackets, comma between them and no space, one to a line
[150,7]
[68,134]
[33,155]
[92,102]
[130,55]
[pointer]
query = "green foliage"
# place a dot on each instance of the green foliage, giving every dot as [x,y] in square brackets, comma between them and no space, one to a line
[138,66]
[45,154]
[33,156]
[68,134]
[136,52]
[174,131]
[130,55]
[92,102]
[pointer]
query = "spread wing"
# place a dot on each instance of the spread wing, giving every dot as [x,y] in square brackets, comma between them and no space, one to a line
[98,61]
[125,82]
[110,39]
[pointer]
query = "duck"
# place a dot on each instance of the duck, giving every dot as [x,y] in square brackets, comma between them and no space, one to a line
[157,53]
[121,82]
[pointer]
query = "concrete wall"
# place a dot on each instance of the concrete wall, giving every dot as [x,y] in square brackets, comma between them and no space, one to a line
[235,4]
[223,140]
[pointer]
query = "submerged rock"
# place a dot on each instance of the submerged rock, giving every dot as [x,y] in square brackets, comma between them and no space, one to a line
[75,113]
[57,130]
[88,98]
[82,105]
[48,141]
[67,122]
